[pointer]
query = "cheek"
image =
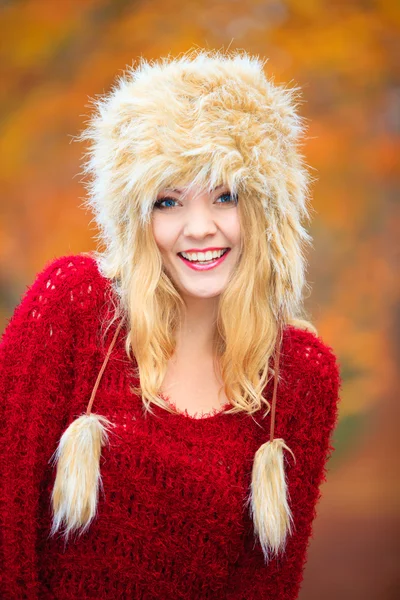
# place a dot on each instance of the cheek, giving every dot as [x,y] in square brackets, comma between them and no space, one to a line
[163,234]
[231,227]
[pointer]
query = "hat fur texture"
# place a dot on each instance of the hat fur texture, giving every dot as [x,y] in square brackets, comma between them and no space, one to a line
[205,118]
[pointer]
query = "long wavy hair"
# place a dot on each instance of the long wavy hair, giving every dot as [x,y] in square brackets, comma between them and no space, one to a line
[206,118]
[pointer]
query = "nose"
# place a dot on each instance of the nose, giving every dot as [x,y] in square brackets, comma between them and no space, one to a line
[200,220]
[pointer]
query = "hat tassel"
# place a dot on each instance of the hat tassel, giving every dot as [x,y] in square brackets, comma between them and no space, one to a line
[268,499]
[76,487]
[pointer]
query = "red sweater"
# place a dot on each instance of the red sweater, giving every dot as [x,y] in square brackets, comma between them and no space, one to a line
[171,522]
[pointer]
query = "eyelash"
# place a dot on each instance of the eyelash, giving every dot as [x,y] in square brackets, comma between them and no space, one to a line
[158,203]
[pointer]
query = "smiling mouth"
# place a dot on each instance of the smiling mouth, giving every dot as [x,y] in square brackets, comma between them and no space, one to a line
[204,265]
[204,262]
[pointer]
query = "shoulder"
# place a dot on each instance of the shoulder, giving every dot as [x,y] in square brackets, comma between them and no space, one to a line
[307,352]
[68,272]
[65,287]
[310,366]
[70,279]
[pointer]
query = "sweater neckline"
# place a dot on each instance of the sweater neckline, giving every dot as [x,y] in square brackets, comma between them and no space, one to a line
[204,416]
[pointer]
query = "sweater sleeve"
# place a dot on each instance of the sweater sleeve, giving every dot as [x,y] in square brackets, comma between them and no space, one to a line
[314,386]
[36,378]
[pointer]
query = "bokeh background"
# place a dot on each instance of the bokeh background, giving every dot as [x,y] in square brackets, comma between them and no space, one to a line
[344,55]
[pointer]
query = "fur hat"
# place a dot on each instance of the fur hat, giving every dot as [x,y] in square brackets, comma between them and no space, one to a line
[205,118]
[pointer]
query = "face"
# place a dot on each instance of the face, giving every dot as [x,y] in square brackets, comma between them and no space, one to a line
[197,222]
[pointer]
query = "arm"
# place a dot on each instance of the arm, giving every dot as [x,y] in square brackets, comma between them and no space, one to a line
[313,387]
[36,378]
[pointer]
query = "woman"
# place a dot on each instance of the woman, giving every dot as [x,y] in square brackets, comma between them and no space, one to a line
[173,371]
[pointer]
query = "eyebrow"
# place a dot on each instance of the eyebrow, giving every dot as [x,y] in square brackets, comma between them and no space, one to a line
[179,191]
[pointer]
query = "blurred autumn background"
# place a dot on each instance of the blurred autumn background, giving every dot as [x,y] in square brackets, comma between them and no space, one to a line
[344,55]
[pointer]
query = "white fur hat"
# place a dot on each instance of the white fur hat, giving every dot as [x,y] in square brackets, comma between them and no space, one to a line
[205,118]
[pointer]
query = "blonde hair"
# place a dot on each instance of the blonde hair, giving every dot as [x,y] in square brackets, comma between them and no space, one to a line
[206,118]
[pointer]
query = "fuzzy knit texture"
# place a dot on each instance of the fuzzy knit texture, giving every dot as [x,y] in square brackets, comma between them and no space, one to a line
[172,521]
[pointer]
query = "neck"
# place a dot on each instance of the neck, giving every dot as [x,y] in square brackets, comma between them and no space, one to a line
[195,336]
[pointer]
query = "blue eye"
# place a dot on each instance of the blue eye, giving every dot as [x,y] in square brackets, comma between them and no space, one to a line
[159,203]
[227,195]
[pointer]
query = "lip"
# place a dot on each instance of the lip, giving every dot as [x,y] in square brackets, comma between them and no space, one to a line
[212,265]
[204,249]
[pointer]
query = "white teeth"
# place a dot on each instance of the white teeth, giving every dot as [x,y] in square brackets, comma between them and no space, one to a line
[203,256]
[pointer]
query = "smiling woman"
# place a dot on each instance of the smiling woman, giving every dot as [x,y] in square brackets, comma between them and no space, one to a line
[173,369]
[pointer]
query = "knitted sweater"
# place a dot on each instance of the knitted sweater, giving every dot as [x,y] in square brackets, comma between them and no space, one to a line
[172,521]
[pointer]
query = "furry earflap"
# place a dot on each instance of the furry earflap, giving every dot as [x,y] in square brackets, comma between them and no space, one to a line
[269,507]
[268,497]
[76,487]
